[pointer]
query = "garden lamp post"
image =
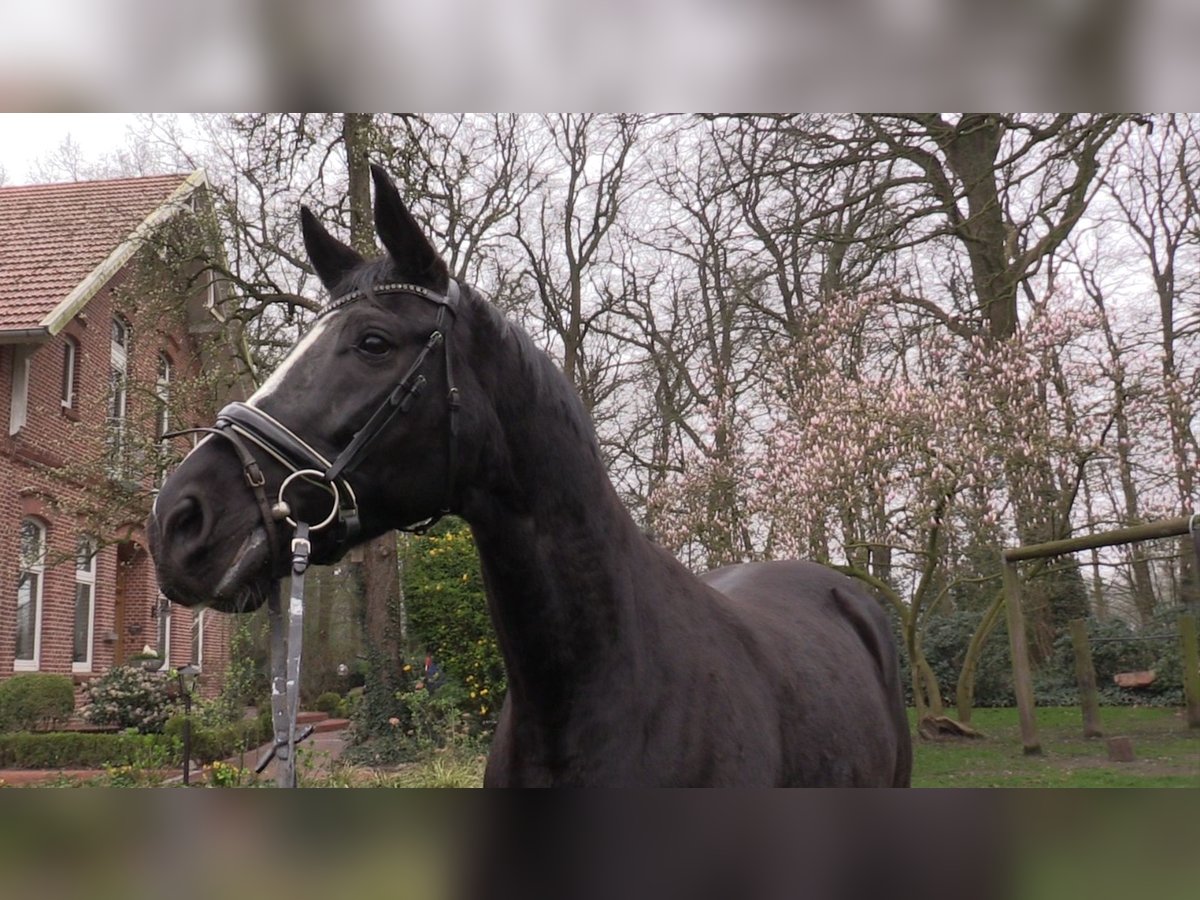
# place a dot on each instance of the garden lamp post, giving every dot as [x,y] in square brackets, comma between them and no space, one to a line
[187,683]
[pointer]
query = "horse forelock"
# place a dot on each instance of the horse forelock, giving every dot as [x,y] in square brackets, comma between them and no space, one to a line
[364,278]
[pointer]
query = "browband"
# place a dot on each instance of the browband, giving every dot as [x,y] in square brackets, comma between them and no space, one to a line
[449,300]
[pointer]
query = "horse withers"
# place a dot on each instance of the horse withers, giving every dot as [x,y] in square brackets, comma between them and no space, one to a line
[412,396]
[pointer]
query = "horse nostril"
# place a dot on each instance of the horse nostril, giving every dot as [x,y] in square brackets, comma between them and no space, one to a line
[186,520]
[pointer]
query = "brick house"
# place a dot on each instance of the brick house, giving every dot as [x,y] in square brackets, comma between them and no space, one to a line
[100,352]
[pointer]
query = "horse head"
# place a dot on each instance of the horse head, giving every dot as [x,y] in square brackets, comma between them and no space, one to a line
[354,433]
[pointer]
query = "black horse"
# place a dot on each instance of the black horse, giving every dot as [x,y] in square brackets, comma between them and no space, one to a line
[416,396]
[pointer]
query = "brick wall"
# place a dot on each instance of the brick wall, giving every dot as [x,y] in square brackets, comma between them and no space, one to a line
[54,436]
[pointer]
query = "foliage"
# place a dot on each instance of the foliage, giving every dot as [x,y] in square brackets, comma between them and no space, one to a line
[945,643]
[85,750]
[128,697]
[448,615]
[1115,648]
[379,703]
[35,701]
[225,775]
[329,703]
[210,743]
[455,768]
[436,718]
[242,683]
[431,722]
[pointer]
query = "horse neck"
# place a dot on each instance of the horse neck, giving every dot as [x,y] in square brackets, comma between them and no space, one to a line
[557,547]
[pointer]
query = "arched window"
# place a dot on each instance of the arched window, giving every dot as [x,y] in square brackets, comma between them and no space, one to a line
[70,361]
[85,604]
[29,594]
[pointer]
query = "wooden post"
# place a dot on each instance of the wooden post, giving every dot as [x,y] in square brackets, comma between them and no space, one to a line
[1085,675]
[1019,650]
[1191,668]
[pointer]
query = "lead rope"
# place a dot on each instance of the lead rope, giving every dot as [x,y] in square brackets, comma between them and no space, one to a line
[287,637]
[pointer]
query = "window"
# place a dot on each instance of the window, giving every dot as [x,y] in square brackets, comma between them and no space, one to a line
[198,617]
[70,358]
[117,387]
[19,410]
[162,393]
[85,605]
[164,630]
[29,594]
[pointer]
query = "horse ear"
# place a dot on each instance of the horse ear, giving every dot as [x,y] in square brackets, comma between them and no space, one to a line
[330,257]
[406,243]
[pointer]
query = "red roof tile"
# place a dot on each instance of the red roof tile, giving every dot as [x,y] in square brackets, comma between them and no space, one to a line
[52,236]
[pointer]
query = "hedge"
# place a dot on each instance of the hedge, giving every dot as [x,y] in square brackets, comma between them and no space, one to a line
[35,700]
[221,742]
[81,750]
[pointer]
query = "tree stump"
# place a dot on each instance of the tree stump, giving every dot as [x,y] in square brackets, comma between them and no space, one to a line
[1120,749]
[943,728]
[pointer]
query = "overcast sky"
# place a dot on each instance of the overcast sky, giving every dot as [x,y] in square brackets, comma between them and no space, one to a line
[28,137]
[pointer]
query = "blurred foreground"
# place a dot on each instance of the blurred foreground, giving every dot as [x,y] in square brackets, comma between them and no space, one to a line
[741,846]
[933,53]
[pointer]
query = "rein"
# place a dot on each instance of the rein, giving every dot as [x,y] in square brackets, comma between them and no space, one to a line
[243,425]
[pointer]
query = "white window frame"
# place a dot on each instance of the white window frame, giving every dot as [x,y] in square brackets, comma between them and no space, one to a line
[164,630]
[38,568]
[118,407]
[198,617]
[70,361]
[19,410]
[162,393]
[85,548]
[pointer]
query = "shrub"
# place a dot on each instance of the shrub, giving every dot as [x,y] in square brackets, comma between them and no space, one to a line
[1116,652]
[35,701]
[211,743]
[329,703]
[241,683]
[128,697]
[84,750]
[448,614]
[945,643]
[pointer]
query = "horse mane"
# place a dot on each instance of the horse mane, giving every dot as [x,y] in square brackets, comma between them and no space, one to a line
[538,371]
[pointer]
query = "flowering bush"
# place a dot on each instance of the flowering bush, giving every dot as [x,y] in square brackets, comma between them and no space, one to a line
[448,614]
[128,697]
[224,775]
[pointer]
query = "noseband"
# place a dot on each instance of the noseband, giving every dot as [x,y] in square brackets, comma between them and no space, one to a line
[244,426]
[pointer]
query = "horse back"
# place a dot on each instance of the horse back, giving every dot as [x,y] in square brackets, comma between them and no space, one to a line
[836,659]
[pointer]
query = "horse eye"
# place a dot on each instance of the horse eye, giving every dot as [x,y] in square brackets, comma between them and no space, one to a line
[374,345]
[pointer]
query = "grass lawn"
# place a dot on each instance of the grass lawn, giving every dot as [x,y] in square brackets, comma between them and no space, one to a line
[1167,753]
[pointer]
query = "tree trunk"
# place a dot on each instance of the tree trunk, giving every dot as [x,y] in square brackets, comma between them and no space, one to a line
[380,566]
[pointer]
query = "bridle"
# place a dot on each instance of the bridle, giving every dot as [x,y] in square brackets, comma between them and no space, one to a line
[247,427]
